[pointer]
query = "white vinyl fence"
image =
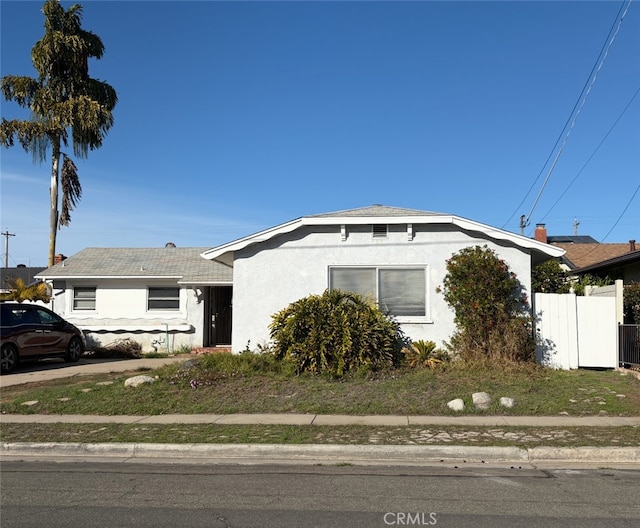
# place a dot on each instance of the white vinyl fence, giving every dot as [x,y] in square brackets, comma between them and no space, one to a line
[573,332]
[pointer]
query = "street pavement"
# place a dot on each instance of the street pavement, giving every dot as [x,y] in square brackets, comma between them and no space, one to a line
[262,453]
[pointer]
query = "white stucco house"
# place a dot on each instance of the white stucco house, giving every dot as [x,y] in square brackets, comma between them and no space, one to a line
[163,298]
[396,255]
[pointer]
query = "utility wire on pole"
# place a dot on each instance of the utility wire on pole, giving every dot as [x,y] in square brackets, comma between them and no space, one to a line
[6,236]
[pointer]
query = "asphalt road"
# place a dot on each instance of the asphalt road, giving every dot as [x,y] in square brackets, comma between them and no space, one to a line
[153,495]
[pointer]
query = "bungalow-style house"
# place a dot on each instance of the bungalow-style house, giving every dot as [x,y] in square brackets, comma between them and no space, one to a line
[397,256]
[163,298]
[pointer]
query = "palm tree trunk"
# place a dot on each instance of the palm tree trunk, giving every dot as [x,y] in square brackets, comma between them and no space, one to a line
[53,190]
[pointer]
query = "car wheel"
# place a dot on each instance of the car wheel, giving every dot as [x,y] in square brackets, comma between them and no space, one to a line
[74,349]
[8,358]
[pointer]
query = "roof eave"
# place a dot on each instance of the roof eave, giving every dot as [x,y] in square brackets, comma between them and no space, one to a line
[225,252]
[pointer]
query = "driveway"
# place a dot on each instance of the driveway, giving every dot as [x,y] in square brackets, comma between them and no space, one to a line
[49,369]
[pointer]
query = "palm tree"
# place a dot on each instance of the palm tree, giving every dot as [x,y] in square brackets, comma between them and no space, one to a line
[65,103]
[19,291]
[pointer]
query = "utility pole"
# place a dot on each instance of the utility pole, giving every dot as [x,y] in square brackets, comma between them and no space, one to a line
[575,226]
[6,236]
[524,222]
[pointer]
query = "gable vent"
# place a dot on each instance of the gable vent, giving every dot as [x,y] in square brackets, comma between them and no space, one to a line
[380,230]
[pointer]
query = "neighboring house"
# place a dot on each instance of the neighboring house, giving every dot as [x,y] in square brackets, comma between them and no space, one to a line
[398,256]
[26,273]
[163,298]
[625,267]
[580,251]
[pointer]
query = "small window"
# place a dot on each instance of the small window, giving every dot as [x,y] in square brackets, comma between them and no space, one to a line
[84,298]
[380,230]
[163,299]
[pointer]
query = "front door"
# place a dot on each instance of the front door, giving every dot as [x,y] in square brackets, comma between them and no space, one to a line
[218,316]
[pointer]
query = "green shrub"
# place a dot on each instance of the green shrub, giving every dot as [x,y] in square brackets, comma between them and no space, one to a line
[490,305]
[549,277]
[631,300]
[424,354]
[580,284]
[335,333]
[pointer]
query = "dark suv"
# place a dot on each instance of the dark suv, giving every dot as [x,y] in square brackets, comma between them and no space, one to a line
[29,331]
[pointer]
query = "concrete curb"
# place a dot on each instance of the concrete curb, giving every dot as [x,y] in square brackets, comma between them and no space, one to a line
[314,453]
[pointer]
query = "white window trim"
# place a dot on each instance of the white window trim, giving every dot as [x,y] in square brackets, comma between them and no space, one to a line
[406,319]
[74,298]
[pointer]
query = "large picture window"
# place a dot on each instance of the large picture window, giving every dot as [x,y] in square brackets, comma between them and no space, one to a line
[398,291]
[163,299]
[84,298]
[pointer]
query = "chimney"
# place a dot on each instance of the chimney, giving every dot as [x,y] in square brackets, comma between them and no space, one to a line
[632,246]
[540,233]
[59,258]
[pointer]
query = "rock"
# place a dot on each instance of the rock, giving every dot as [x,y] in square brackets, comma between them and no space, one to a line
[507,402]
[138,380]
[481,400]
[456,405]
[104,383]
[603,413]
[563,413]
[189,363]
[30,403]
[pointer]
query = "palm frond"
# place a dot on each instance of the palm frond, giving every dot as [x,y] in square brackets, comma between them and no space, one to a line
[71,189]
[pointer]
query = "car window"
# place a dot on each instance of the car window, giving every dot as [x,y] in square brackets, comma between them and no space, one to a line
[46,317]
[20,315]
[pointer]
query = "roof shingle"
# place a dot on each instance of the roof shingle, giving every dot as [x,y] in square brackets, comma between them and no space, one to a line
[186,264]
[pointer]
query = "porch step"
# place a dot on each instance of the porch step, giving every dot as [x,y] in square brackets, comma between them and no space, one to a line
[212,350]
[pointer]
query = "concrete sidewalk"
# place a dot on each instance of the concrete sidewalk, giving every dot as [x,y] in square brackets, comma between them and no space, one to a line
[331,453]
[331,419]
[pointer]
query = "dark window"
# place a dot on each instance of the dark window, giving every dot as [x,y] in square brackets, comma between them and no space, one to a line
[163,299]
[84,298]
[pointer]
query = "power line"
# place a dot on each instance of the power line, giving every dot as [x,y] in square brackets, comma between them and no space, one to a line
[524,219]
[622,213]
[593,81]
[593,154]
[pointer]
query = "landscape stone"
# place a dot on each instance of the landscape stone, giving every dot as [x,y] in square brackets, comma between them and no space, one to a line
[456,405]
[481,400]
[507,402]
[135,381]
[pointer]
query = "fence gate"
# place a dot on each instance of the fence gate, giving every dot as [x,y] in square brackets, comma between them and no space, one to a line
[574,332]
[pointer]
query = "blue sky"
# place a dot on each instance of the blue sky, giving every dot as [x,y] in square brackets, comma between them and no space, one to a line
[237,116]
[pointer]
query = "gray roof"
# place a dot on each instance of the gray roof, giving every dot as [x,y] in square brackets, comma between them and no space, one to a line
[27,274]
[376,210]
[185,264]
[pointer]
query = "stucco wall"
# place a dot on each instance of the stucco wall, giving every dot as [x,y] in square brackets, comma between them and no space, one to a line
[121,312]
[269,276]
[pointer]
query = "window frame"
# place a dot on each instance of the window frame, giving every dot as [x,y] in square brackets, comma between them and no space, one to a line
[77,298]
[167,298]
[377,269]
